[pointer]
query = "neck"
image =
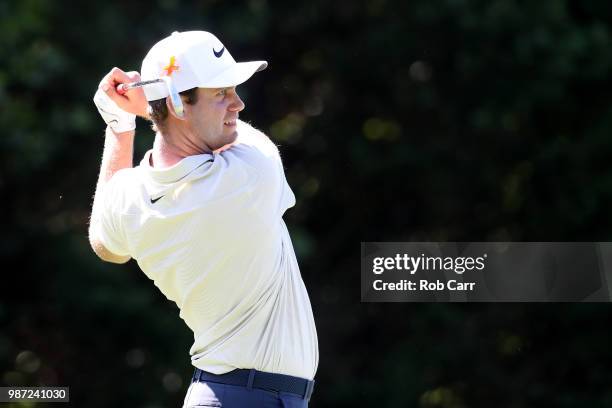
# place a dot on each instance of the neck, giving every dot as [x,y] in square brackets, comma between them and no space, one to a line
[170,148]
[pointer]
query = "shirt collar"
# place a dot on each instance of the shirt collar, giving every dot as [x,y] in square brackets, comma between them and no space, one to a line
[176,172]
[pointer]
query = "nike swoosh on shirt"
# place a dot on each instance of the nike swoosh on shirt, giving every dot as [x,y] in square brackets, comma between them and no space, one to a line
[218,54]
[154,200]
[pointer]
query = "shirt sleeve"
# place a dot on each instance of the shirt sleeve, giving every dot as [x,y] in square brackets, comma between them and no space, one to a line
[108,217]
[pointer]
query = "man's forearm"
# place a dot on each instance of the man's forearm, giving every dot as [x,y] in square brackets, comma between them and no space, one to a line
[118,154]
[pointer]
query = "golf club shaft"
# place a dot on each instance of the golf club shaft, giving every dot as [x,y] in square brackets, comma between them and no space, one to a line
[123,88]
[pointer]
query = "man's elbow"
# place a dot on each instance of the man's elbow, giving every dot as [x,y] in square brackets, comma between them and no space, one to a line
[106,255]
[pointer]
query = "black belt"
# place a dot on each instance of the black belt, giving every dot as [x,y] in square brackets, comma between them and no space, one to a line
[260,380]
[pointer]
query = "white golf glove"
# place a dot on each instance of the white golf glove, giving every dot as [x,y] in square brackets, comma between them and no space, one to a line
[115,117]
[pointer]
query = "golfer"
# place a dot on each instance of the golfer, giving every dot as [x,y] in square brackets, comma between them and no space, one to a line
[202,216]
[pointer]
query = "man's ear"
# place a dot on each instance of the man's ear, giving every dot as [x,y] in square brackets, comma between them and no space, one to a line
[171,109]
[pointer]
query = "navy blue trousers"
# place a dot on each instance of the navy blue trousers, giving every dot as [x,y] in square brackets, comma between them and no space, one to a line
[210,394]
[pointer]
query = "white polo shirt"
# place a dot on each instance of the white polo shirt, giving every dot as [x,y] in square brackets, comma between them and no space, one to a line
[209,232]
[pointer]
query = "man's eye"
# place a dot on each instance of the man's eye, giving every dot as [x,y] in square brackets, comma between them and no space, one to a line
[222,92]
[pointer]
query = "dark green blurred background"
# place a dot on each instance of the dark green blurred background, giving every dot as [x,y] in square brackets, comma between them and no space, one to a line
[426,120]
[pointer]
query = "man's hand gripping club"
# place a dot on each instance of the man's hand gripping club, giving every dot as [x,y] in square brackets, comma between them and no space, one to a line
[119,110]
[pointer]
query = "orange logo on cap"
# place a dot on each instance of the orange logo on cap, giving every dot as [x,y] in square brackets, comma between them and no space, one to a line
[170,68]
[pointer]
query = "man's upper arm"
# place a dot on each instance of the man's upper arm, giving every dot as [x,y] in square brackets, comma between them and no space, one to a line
[105,236]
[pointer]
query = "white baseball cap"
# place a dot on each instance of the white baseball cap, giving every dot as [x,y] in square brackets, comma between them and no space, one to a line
[193,59]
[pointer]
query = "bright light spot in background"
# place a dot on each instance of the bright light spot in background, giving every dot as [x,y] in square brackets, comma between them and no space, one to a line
[441,397]
[27,362]
[289,129]
[420,71]
[313,106]
[310,187]
[14,378]
[172,382]
[377,129]
[509,344]
[135,358]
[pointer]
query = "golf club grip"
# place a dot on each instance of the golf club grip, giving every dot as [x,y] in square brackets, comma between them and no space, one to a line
[121,89]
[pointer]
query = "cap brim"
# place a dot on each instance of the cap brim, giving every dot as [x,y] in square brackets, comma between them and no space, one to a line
[235,75]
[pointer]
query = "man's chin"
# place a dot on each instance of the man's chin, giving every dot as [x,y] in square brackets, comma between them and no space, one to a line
[229,143]
[232,137]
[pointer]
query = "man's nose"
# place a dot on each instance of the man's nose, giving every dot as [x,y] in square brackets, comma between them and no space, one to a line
[237,105]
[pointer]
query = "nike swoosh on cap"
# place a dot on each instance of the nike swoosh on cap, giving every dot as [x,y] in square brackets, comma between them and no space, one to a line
[218,54]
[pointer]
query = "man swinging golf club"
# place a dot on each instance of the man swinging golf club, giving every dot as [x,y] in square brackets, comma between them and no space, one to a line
[202,216]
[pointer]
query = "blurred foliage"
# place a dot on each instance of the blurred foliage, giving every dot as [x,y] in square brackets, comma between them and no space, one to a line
[398,120]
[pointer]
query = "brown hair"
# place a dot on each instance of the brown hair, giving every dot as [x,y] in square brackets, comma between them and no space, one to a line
[159,110]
